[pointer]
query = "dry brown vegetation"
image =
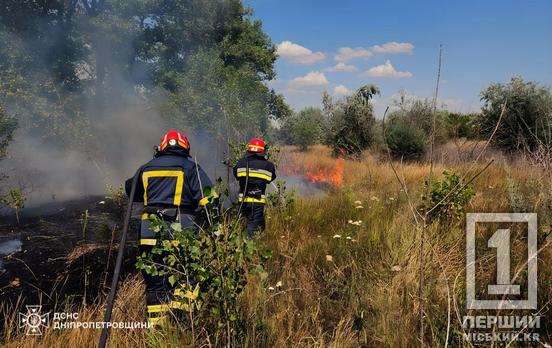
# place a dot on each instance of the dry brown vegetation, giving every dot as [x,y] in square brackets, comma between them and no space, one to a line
[346,283]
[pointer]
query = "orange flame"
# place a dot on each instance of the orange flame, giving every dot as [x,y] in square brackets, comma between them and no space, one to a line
[334,178]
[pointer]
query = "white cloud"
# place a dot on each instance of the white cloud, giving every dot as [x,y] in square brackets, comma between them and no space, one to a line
[347,53]
[312,80]
[341,90]
[342,67]
[386,70]
[392,48]
[297,53]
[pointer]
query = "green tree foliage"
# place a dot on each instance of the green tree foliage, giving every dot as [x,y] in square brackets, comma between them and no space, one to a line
[419,113]
[527,120]
[351,120]
[65,64]
[7,127]
[305,128]
[460,125]
[404,141]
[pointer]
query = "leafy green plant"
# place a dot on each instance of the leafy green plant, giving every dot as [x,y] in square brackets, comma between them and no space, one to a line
[405,141]
[209,268]
[447,198]
[116,196]
[282,199]
[15,199]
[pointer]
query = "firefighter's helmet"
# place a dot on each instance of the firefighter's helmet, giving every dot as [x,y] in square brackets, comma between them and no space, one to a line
[174,139]
[256,145]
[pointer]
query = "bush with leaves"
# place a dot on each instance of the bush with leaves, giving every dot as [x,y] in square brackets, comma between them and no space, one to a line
[527,120]
[460,125]
[209,267]
[305,128]
[405,142]
[351,121]
[15,199]
[447,198]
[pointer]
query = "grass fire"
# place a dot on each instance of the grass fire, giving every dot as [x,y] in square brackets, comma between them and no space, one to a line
[200,174]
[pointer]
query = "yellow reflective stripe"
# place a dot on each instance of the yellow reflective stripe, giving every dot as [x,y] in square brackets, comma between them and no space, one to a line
[203,201]
[157,320]
[158,308]
[165,173]
[255,175]
[251,200]
[151,241]
[180,305]
[148,241]
[145,216]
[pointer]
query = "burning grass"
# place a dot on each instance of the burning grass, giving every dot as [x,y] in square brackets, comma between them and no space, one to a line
[359,289]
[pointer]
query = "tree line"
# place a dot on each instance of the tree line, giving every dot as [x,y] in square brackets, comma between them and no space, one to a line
[350,126]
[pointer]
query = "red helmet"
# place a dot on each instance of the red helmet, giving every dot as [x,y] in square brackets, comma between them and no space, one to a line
[174,139]
[256,145]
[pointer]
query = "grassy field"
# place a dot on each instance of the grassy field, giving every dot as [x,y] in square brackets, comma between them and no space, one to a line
[346,265]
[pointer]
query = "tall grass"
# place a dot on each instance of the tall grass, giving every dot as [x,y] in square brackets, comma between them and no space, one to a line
[345,283]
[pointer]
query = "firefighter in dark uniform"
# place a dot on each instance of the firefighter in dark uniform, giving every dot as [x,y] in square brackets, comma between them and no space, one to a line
[254,172]
[171,186]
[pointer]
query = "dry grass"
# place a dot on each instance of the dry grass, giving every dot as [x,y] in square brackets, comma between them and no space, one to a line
[365,294]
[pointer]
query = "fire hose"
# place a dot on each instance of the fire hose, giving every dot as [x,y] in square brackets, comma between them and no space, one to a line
[118,262]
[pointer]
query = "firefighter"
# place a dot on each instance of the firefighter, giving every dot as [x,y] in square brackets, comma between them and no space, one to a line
[254,172]
[171,186]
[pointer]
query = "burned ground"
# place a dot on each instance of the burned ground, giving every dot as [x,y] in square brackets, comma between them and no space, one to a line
[66,254]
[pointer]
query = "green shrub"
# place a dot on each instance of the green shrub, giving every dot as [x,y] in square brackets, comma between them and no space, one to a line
[447,198]
[209,268]
[305,128]
[405,141]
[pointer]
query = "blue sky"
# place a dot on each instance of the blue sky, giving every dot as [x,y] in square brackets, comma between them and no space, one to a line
[395,45]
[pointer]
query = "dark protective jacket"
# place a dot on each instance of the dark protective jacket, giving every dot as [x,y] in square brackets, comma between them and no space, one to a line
[170,180]
[255,171]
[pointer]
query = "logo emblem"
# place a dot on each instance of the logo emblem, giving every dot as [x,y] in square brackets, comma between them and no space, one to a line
[34,321]
[500,241]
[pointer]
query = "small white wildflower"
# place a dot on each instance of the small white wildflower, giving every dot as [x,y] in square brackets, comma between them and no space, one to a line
[491,187]
[101,202]
[396,268]
[359,207]
[270,288]
[349,238]
[353,240]
[279,284]
[329,258]
[391,198]
[337,236]
[358,202]
[350,221]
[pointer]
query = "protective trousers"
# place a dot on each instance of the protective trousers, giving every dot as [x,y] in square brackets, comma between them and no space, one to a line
[254,213]
[160,295]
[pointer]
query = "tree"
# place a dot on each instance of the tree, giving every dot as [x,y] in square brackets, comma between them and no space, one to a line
[206,61]
[305,128]
[404,141]
[527,120]
[352,120]
[460,125]
[7,127]
[419,113]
